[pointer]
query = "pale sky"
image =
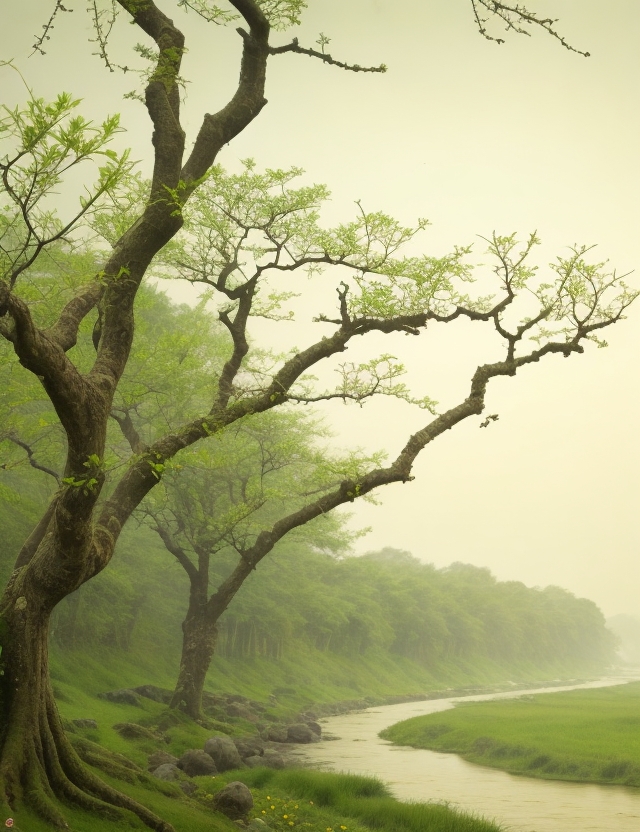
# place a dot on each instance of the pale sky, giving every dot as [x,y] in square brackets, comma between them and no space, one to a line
[476,137]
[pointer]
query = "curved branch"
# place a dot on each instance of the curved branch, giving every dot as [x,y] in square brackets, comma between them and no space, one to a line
[33,462]
[294,46]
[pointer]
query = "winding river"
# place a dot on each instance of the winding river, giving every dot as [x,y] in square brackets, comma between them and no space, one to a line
[521,804]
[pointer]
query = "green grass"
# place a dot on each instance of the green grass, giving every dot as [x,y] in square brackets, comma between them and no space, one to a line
[312,801]
[587,735]
[325,802]
[286,801]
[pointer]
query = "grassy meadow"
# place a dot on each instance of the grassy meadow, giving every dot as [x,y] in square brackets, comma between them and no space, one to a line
[586,735]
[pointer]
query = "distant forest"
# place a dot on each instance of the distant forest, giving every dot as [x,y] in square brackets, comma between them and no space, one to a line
[303,598]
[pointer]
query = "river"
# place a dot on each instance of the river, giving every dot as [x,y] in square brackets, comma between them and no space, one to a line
[521,804]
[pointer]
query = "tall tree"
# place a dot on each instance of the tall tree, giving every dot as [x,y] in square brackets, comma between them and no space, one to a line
[212,510]
[76,536]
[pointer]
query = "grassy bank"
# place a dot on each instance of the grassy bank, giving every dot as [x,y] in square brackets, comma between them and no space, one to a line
[284,801]
[586,735]
[312,801]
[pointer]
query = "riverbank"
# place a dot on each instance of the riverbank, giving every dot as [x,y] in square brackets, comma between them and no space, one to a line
[586,736]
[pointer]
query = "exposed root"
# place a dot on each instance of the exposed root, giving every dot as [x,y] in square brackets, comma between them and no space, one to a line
[108,761]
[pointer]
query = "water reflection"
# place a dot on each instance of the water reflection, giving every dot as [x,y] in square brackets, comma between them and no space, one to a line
[520,803]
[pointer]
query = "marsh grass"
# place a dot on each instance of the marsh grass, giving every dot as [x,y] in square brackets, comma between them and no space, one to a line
[326,802]
[586,735]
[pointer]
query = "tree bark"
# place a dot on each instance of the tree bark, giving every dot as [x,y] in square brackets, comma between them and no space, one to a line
[38,764]
[199,636]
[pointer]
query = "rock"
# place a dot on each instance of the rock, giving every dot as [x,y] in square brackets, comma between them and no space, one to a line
[223,752]
[172,774]
[85,723]
[272,759]
[249,746]
[167,771]
[154,693]
[121,697]
[277,734]
[161,758]
[257,825]
[254,762]
[133,731]
[315,727]
[300,732]
[196,762]
[234,800]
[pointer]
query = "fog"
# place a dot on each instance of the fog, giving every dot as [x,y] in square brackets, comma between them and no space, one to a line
[475,137]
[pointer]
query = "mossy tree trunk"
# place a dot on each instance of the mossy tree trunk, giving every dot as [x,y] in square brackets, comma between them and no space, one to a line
[199,636]
[38,765]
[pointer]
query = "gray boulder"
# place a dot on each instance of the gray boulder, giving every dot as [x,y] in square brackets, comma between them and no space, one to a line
[161,758]
[315,727]
[196,762]
[155,693]
[223,752]
[300,732]
[168,772]
[249,746]
[277,734]
[121,697]
[272,759]
[254,762]
[234,800]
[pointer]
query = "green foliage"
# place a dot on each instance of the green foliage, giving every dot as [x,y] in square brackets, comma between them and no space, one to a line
[41,142]
[589,735]
[281,14]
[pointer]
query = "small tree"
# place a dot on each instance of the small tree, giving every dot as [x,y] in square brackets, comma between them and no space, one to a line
[76,536]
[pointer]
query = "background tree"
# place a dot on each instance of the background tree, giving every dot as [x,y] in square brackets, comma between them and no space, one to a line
[76,536]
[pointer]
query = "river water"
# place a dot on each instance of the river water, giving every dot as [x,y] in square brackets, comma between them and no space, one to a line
[521,804]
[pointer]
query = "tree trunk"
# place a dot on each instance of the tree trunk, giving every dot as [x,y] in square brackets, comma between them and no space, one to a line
[199,636]
[38,764]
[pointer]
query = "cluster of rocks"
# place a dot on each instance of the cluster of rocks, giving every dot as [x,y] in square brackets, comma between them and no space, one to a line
[225,753]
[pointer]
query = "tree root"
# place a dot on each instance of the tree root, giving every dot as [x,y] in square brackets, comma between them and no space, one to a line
[49,772]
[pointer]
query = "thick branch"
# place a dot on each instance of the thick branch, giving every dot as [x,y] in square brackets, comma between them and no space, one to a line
[65,330]
[248,100]
[162,94]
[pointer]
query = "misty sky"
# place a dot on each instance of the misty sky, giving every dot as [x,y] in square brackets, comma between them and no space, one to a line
[475,137]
